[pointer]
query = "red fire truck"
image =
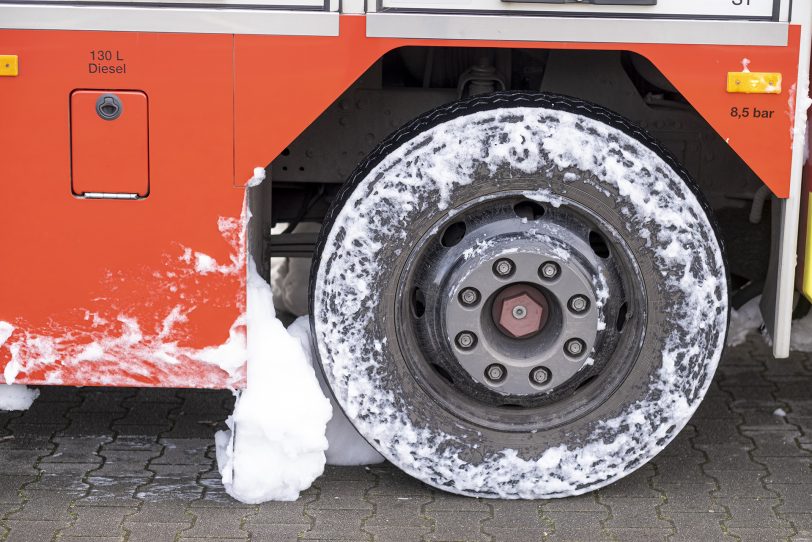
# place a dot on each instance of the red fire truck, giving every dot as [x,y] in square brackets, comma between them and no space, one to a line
[535,214]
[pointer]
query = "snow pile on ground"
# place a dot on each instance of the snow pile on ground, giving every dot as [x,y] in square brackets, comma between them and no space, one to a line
[346,446]
[748,319]
[744,321]
[279,445]
[16,396]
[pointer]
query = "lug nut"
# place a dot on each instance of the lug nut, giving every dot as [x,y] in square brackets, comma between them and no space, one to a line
[578,303]
[495,372]
[575,347]
[469,296]
[540,375]
[519,312]
[549,270]
[503,267]
[466,340]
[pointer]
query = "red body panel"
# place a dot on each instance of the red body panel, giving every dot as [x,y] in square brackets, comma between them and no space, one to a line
[107,292]
[144,292]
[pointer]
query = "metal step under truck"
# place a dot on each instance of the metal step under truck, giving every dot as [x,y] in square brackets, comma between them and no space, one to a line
[535,215]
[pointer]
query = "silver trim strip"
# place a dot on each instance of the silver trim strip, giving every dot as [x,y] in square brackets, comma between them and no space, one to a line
[109,195]
[165,19]
[575,29]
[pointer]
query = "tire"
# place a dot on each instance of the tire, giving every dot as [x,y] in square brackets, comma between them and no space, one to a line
[537,180]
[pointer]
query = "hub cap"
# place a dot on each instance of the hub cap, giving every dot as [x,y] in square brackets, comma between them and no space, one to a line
[500,311]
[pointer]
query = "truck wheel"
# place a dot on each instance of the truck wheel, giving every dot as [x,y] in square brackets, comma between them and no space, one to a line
[519,295]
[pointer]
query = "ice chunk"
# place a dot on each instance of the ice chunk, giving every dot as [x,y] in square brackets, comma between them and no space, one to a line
[17,396]
[744,321]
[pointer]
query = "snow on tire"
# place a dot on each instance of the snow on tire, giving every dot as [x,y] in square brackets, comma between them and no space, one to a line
[483,212]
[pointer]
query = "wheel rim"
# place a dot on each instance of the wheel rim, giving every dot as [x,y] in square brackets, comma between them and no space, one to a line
[518,314]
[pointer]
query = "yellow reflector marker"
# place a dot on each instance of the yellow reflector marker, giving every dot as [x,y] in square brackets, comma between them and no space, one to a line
[9,66]
[754,82]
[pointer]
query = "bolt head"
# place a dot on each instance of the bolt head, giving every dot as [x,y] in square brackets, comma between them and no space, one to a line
[503,267]
[578,303]
[575,347]
[540,375]
[550,270]
[520,316]
[469,296]
[495,372]
[466,340]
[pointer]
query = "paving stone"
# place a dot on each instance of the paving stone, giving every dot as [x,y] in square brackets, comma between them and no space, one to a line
[578,525]
[183,452]
[98,521]
[40,504]
[337,525]
[737,483]
[581,503]
[449,502]
[170,489]
[457,525]
[760,535]
[32,531]
[394,482]
[776,444]
[687,499]
[696,526]
[278,532]
[154,532]
[729,457]
[112,491]
[218,523]
[342,495]
[635,485]
[633,513]
[640,535]
[399,534]
[752,513]
[161,512]
[407,512]
[789,470]
[11,485]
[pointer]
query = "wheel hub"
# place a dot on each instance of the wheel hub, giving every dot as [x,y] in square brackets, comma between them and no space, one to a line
[503,311]
[523,325]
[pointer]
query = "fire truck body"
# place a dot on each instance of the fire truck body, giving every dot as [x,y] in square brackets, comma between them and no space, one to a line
[131,130]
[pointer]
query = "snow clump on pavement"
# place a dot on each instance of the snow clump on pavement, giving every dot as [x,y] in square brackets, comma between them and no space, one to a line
[17,396]
[279,446]
[743,321]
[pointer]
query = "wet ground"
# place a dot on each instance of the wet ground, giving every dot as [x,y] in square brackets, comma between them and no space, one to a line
[138,465]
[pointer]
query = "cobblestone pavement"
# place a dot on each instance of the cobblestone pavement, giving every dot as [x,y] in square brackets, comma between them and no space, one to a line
[138,465]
